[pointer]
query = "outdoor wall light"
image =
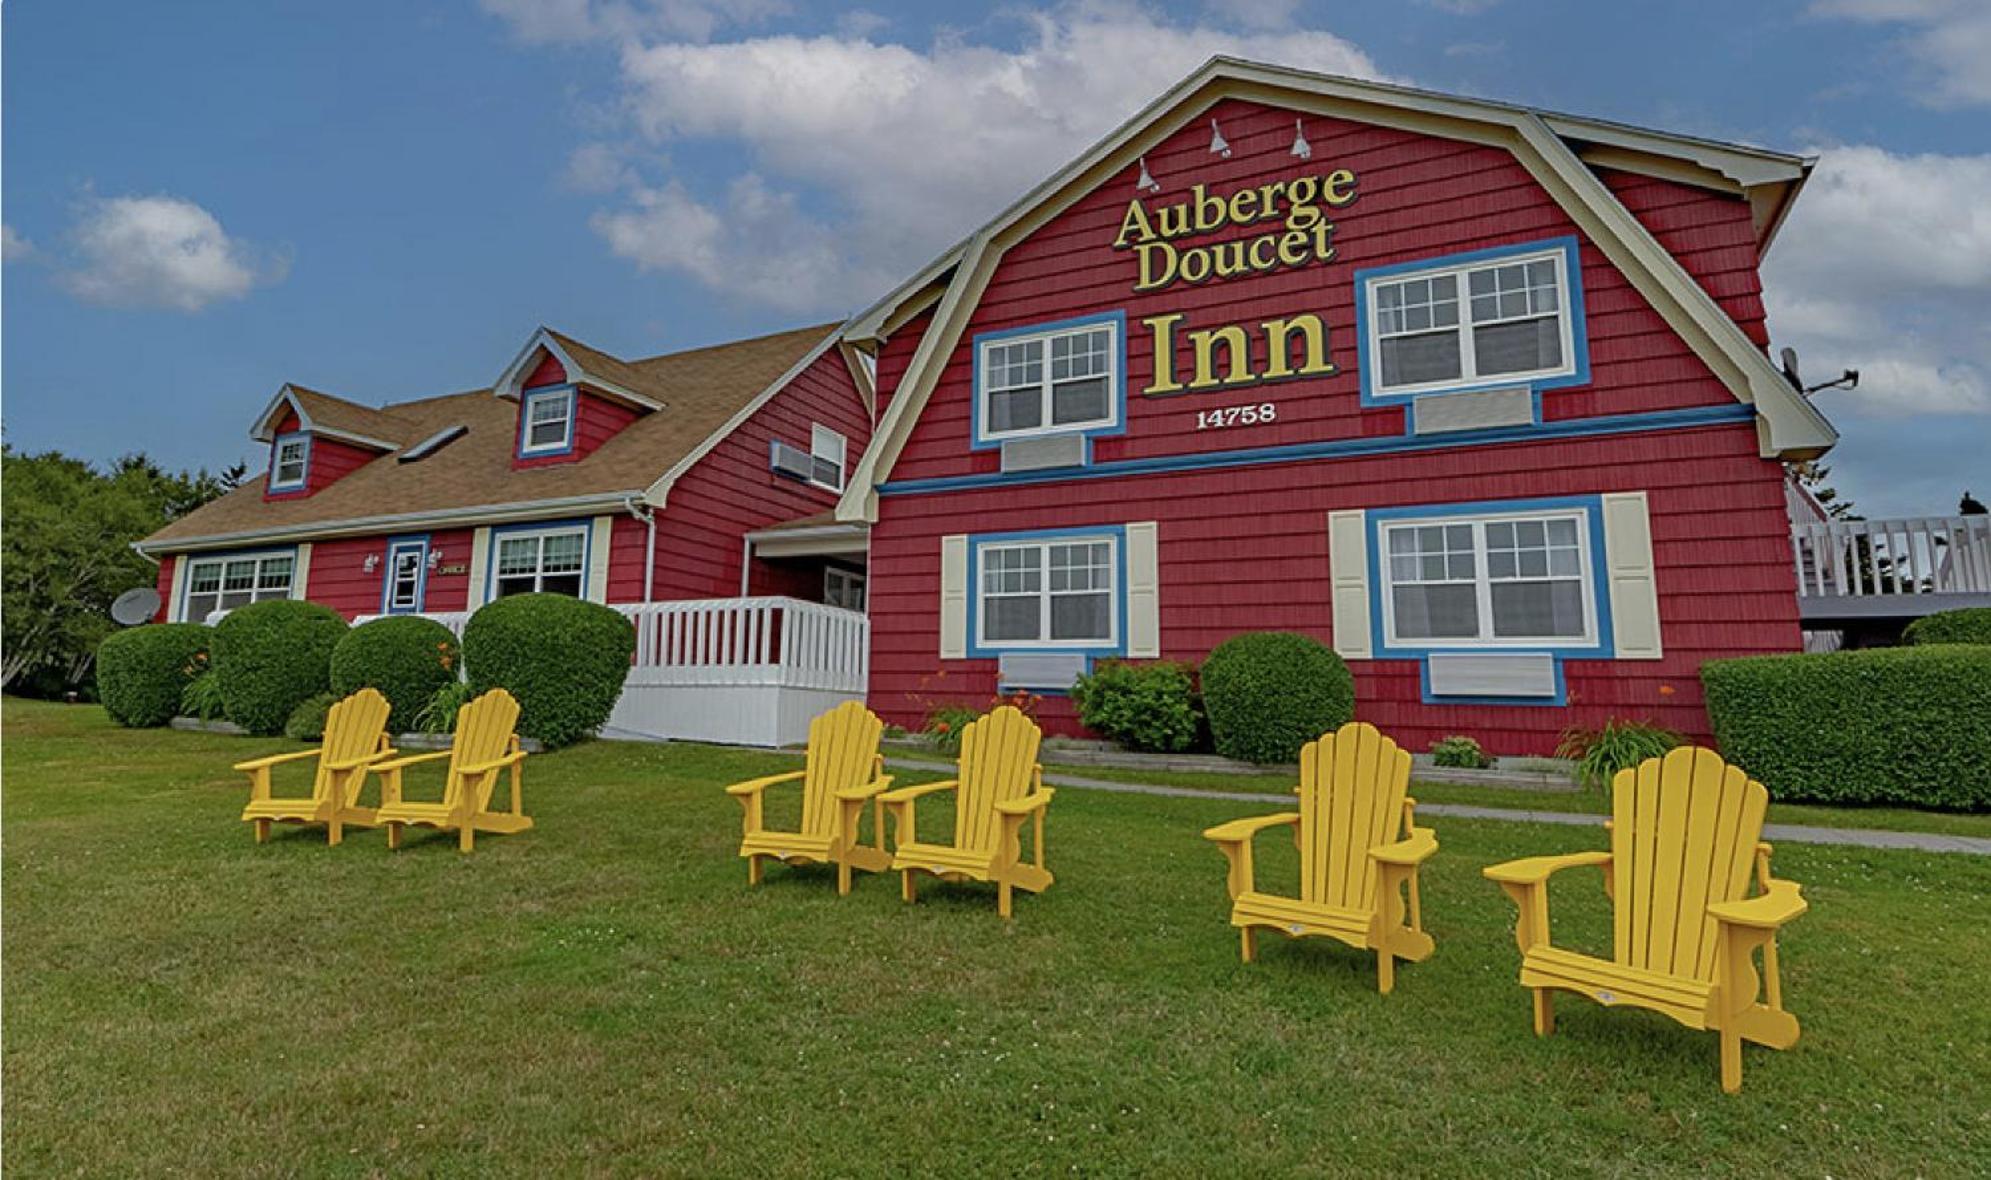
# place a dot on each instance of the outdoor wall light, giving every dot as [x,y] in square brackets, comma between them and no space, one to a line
[435,558]
[371,563]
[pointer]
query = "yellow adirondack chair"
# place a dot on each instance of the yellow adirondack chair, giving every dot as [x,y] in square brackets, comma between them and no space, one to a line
[1359,851]
[355,739]
[999,786]
[843,770]
[485,744]
[1685,831]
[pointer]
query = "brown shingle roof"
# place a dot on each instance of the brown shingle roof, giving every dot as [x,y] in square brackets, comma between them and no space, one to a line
[611,369]
[337,414]
[702,388]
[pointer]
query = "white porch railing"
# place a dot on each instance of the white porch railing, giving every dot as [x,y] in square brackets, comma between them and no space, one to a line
[743,671]
[1893,567]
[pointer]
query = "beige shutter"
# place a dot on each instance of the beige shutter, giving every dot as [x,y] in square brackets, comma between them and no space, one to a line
[300,572]
[954,597]
[176,601]
[1143,592]
[598,546]
[1348,580]
[480,565]
[1628,569]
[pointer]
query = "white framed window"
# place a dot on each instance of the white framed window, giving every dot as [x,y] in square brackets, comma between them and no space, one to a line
[238,579]
[1465,325]
[1049,382]
[842,587]
[1055,592]
[548,426]
[826,455]
[552,561]
[406,570]
[290,460]
[1509,580]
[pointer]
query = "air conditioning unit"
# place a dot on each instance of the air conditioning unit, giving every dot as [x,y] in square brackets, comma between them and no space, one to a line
[789,462]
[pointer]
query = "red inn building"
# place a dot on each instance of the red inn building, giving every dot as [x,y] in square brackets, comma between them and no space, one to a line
[1476,394]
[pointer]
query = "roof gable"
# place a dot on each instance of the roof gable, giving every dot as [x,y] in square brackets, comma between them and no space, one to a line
[585,366]
[333,417]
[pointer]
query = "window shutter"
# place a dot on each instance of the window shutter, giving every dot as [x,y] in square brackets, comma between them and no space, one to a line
[954,597]
[480,567]
[300,571]
[1143,592]
[176,602]
[1348,575]
[601,535]
[1628,568]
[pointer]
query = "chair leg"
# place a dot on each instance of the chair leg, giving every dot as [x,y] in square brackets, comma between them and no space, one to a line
[908,892]
[393,837]
[334,832]
[753,870]
[1731,1061]
[262,830]
[843,878]
[1248,943]
[466,837]
[1544,1011]
[1003,899]
[1385,971]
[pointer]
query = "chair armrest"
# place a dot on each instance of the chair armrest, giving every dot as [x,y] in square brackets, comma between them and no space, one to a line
[1536,869]
[274,759]
[362,760]
[908,794]
[755,786]
[1411,850]
[864,791]
[1240,830]
[398,763]
[1027,804]
[1782,902]
[511,759]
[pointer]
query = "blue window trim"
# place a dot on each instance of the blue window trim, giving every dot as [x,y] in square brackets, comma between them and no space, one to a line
[525,400]
[276,446]
[1600,591]
[1572,299]
[1117,394]
[1116,532]
[225,555]
[418,541]
[583,523]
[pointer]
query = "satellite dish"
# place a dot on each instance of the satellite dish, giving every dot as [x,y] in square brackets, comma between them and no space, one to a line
[1789,356]
[135,606]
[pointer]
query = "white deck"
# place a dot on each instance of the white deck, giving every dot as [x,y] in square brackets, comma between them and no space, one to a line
[1859,570]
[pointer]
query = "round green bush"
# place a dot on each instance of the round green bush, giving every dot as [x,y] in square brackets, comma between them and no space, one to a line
[272,655]
[1969,625]
[1267,693]
[564,659]
[307,721]
[1142,706]
[406,657]
[141,672]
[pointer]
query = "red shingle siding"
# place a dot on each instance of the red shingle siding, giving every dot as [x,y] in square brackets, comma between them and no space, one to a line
[330,459]
[549,371]
[165,589]
[338,577]
[1711,234]
[597,419]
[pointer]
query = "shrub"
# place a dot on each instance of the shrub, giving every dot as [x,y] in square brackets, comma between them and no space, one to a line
[202,697]
[307,721]
[142,672]
[1268,693]
[945,723]
[1970,625]
[439,714]
[406,657]
[1460,753]
[1141,706]
[272,655]
[1904,725]
[564,659]
[1616,745]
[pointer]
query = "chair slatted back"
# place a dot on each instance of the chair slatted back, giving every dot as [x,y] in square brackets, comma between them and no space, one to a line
[1683,835]
[484,730]
[998,761]
[354,728]
[843,753]
[1352,786]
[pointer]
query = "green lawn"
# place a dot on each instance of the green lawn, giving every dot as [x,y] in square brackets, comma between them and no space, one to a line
[604,995]
[1893,819]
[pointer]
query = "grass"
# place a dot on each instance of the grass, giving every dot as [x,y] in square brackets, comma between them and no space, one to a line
[603,995]
[1892,819]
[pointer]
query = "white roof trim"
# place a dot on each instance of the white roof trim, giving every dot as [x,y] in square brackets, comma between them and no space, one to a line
[265,432]
[509,382]
[470,515]
[659,492]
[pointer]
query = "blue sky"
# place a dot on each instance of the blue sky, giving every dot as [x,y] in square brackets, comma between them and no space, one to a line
[383,199]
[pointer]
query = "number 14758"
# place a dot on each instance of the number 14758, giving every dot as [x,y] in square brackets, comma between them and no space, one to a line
[1236,416]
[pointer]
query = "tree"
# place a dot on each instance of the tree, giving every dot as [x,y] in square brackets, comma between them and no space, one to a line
[66,530]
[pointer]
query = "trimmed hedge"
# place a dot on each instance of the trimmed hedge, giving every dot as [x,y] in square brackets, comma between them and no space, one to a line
[564,659]
[307,721]
[1969,625]
[1904,725]
[1267,693]
[1142,706]
[271,656]
[407,658]
[142,672]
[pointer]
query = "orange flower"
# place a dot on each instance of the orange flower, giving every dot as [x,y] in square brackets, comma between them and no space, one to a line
[942,727]
[1666,690]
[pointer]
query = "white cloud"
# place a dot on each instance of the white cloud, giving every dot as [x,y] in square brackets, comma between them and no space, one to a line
[598,168]
[883,154]
[544,22]
[1950,39]
[159,251]
[13,247]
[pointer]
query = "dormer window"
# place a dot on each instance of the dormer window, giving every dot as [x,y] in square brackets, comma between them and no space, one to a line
[826,455]
[290,460]
[547,423]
